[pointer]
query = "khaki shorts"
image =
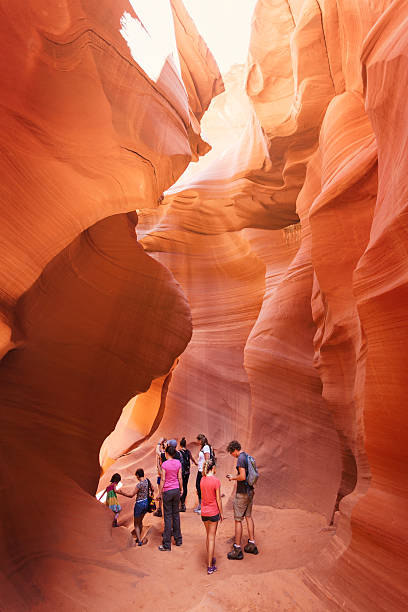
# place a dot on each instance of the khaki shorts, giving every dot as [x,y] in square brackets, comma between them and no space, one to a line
[243,505]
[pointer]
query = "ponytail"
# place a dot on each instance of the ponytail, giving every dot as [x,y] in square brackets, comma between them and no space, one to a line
[202,439]
[208,466]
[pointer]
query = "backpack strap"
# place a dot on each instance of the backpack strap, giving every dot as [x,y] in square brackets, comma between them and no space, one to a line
[246,472]
[185,459]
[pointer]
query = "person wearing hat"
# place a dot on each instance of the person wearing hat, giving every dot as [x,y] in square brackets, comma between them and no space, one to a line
[173,442]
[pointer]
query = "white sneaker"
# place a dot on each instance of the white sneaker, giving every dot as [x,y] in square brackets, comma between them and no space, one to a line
[198,509]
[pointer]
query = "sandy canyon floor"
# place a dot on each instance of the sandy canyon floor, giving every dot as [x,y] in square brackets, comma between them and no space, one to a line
[177,580]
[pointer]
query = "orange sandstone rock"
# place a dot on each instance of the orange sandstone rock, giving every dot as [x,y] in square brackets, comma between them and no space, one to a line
[100,323]
[298,331]
[88,132]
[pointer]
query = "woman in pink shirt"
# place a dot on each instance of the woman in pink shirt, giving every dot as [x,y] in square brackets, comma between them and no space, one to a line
[211,509]
[170,487]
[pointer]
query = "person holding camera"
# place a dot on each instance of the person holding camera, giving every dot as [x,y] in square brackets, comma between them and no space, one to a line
[243,502]
[160,458]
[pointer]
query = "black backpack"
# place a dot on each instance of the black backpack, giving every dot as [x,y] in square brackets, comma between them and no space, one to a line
[185,461]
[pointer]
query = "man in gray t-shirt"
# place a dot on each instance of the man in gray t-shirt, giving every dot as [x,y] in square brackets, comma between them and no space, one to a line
[242,503]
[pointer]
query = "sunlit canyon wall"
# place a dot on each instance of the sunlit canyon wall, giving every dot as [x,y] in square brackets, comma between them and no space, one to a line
[265,298]
[94,126]
[319,396]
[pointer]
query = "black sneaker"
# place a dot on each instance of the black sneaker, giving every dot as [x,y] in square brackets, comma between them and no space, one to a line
[236,553]
[251,548]
[158,512]
[161,547]
[182,507]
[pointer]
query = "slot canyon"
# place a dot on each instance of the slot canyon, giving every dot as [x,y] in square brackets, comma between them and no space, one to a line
[189,249]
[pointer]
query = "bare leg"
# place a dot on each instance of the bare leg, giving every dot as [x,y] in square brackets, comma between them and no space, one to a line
[211,531]
[251,528]
[138,528]
[206,525]
[238,532]
[143,540]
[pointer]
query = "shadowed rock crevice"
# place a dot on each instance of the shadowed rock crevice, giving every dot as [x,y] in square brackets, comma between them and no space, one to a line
[102,321]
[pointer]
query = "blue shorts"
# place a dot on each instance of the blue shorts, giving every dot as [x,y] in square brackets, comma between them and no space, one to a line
[140,507]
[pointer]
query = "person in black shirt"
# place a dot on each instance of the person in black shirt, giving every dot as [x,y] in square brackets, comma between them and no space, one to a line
[185,458]
[242,503]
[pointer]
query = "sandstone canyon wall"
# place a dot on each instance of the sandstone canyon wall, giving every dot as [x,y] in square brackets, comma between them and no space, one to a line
[89,134]
[343,202]
[264,298]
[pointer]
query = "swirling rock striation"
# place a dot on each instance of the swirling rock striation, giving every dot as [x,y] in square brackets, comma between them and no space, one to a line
[88,319]
[298,330]
[321,77]
[87,131]
[101,322]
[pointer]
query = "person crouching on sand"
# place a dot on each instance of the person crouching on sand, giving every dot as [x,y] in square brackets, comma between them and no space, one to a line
[211,509]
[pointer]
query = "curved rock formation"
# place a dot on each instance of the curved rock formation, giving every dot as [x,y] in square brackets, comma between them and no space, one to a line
[86,131]
[319,139]
[101,322]
[224,283]
[234,187]
[265,300]
[88,319]
[341,200]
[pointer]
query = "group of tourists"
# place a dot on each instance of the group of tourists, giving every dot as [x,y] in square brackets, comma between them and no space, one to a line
[173,473]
